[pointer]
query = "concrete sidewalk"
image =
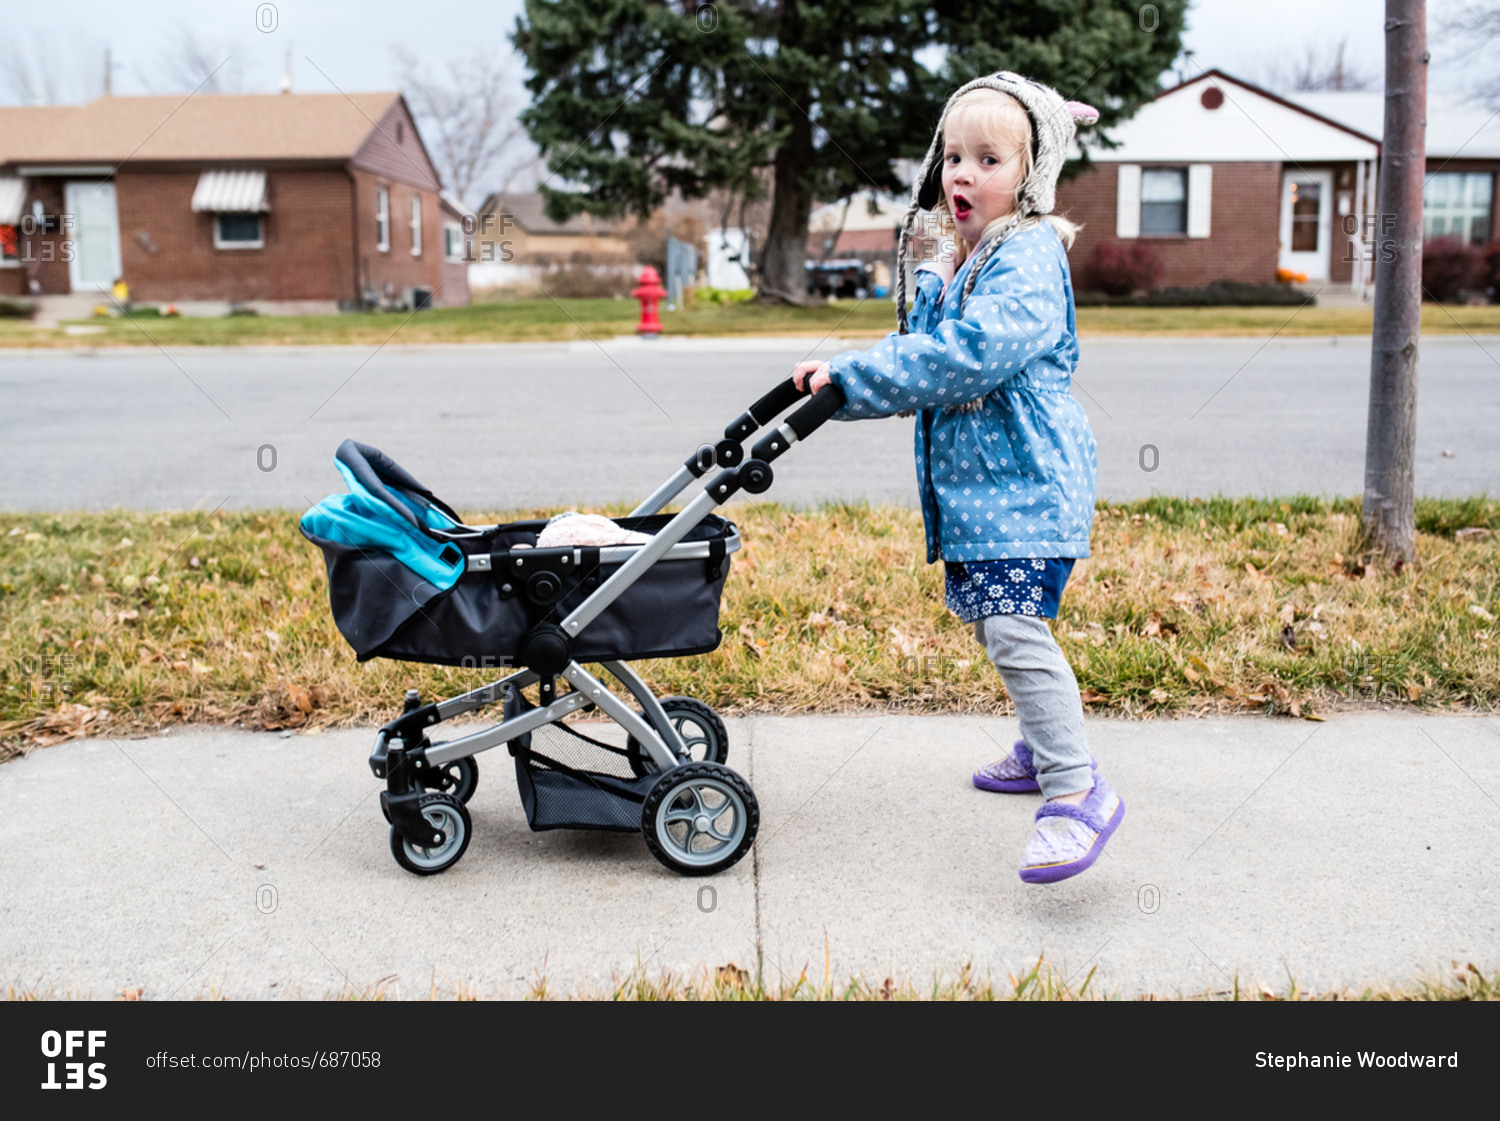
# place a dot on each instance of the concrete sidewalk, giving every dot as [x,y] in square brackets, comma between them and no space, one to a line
[1357,851]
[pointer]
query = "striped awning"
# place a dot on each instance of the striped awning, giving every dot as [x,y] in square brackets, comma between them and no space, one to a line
[231,192]
[12,199]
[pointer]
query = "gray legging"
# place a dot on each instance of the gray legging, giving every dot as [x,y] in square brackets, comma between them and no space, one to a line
[1045,692]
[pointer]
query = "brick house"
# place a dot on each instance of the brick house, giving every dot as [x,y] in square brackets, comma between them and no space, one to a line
[280,202]
[1226,180]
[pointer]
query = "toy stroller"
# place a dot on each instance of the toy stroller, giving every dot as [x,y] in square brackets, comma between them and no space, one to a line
[408,580]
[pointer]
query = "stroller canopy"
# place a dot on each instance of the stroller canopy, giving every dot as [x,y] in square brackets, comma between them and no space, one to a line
[389,511]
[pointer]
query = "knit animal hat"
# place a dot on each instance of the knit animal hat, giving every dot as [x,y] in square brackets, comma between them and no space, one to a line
[1054,123]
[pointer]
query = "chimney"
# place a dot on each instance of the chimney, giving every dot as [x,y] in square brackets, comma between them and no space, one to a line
[286,78]
[107,69]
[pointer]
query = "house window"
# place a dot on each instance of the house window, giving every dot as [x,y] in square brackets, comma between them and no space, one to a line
[382,219]
[1163,201]
[238,231]
[416,225]
[1456,203]
[453,242]
[1307,202]
[10,245]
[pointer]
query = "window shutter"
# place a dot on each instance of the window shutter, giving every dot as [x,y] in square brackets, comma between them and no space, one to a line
[1128,201]
[1200,198]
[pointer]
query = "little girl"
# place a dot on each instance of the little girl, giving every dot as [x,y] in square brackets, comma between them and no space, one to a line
[1006,461]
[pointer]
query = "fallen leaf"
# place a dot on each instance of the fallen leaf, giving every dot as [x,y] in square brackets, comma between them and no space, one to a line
[131,994]
[1287,614]
[1093,697]
[1289,638]
[1475,609]
[732,976]
[1468,533]
[301,700]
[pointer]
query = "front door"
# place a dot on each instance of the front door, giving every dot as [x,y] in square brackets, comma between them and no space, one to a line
[1306,217]
[95,235]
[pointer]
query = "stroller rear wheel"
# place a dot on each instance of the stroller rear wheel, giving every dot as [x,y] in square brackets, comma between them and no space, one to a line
[700,818]
[702,732]
[458,778]
[448,814]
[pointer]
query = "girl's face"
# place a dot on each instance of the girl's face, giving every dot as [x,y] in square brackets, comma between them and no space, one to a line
[980,175]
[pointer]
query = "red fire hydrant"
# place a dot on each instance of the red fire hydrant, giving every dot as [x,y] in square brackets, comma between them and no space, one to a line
[649,292]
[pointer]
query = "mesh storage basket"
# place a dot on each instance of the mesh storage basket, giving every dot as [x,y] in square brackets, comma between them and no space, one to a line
[571,781]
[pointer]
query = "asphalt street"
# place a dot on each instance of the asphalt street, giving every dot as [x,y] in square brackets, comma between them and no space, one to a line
[499,427]
[1360,851]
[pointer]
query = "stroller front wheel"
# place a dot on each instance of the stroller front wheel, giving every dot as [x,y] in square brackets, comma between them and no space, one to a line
[700,818]
[451,817]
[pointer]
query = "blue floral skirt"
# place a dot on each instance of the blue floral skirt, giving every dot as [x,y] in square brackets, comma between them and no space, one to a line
[1031,586]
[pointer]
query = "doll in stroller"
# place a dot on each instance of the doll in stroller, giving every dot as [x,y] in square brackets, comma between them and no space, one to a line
[407,579]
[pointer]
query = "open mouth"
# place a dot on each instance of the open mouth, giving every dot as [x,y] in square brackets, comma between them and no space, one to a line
[962,207]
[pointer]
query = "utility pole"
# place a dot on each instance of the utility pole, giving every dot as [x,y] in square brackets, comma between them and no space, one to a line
[1389,528]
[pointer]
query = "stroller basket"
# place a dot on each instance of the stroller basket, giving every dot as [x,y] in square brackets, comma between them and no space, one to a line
[408,580]
[570,781]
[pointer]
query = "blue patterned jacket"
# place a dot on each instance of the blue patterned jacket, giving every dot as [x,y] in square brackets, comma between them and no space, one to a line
[1015,475]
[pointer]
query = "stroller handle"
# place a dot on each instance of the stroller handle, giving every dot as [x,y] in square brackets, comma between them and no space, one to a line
[764,411]
[729,453]
[802,423]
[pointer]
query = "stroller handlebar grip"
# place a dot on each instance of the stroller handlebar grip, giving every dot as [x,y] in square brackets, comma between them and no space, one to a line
[810,417]
[803,423]
[773,404]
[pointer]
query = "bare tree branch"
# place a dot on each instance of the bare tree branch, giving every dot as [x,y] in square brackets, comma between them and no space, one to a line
[1316,70]
[1472,28]
[470,118]
[188,63]
[34,72]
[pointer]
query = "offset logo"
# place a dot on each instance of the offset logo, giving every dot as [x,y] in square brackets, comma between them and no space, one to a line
[66,1045]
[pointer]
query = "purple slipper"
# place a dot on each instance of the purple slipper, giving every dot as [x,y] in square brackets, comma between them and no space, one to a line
[1068,839]
[1015,774]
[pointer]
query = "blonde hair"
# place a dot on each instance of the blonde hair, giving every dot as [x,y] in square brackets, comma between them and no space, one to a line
[1007,125]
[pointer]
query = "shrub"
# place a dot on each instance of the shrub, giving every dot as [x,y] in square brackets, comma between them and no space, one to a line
[1221,293]
[584,275]
[1492,266]
[1119,271]
[722,297]
[1451,267]
[16,309]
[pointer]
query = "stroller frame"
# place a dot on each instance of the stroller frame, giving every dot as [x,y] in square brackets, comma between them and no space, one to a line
[424,803]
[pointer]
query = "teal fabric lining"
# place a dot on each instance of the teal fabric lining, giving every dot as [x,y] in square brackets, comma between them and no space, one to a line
[361,520]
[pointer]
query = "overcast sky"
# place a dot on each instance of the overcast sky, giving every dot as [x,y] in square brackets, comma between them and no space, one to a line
[352,42]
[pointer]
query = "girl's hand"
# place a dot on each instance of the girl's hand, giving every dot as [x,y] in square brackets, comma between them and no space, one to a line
[818,372]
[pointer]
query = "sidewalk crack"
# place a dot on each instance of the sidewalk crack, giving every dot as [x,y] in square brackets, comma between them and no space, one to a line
[755,848]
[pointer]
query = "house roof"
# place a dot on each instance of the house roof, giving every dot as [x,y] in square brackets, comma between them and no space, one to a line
[527,209]
[204,126]
[887,216]
[1456,127]
[1252,125]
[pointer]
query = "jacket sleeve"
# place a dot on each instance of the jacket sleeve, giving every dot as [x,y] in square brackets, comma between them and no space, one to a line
[1016,312]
